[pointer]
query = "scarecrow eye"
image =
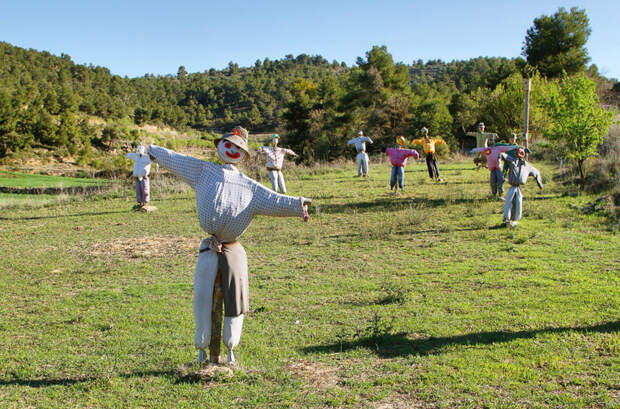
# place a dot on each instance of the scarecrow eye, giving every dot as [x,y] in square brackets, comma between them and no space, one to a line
[228,145]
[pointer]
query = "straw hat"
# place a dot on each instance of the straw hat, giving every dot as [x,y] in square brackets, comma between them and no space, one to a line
[238,136]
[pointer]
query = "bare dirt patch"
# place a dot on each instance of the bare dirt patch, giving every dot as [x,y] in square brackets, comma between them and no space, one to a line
[398,401]
[314,374]
[143,247]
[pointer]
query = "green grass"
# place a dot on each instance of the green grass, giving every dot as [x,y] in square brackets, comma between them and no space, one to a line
[26,180]
[381,300]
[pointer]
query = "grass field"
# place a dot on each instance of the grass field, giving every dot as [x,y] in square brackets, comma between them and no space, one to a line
[15,188]
[415,300]
[26,180]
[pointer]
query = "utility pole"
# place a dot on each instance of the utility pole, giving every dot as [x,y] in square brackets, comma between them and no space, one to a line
[527,86]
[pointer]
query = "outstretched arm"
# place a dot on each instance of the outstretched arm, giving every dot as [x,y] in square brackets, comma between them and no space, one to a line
[350,141]
[367,139]
[269,203]
[505,148]
[290,152]
[418,141]
[186,167]
[534,172]
[414,153]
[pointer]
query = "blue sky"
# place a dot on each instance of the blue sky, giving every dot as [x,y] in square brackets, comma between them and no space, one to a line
[133,38]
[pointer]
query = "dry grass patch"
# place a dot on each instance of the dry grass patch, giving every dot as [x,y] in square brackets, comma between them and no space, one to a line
[143,247]
[314,374]
[397,401]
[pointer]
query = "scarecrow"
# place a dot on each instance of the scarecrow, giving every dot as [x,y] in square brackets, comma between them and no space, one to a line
[429,150]
[362,157]
[275,159]
[519,171]
[141,170]
[483,139]
[496,176]
[398,158]
[227,200]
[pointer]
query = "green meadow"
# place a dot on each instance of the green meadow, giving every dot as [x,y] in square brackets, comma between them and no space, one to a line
[16,189]
[411,300]
[26,180]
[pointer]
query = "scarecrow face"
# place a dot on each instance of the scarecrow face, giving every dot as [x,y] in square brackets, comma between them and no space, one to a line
[274,141]
[481,127]
[229,152]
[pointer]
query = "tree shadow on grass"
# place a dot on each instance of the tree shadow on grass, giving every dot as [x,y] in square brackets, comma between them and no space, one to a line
[45,382]
[440,230]
[392,203]
[401,344]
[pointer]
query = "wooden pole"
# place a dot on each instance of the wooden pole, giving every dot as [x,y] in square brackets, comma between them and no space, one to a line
[527,86]
[216,320]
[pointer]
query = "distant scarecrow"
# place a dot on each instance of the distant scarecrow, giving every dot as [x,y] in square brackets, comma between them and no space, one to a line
[483,139]
[496,176]
[428,145]
[275,160]
[362,156]
[398,158]
[227,200]
[141,170]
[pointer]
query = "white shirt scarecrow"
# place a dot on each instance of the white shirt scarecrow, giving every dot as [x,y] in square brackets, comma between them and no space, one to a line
[362,156]
[227,200]
[141,170]
[275,160]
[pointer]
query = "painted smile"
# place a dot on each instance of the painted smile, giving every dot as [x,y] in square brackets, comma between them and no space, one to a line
[233,155]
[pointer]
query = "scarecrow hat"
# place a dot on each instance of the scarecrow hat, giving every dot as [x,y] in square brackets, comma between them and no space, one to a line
[360,133]
[238,136]
[275,136]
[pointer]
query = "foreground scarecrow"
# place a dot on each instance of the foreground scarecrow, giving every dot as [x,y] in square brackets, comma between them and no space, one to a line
[275,160]
[362,156]
[227,200]
[428,144]
[398,158]
[141,170]
[518,172]
[496,176]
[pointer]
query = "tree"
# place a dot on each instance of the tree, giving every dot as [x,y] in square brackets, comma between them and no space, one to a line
[557,43]
[377,96]
[579,122]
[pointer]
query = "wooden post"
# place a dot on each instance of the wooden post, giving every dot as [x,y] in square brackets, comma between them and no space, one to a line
[527,86]
[216,320]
